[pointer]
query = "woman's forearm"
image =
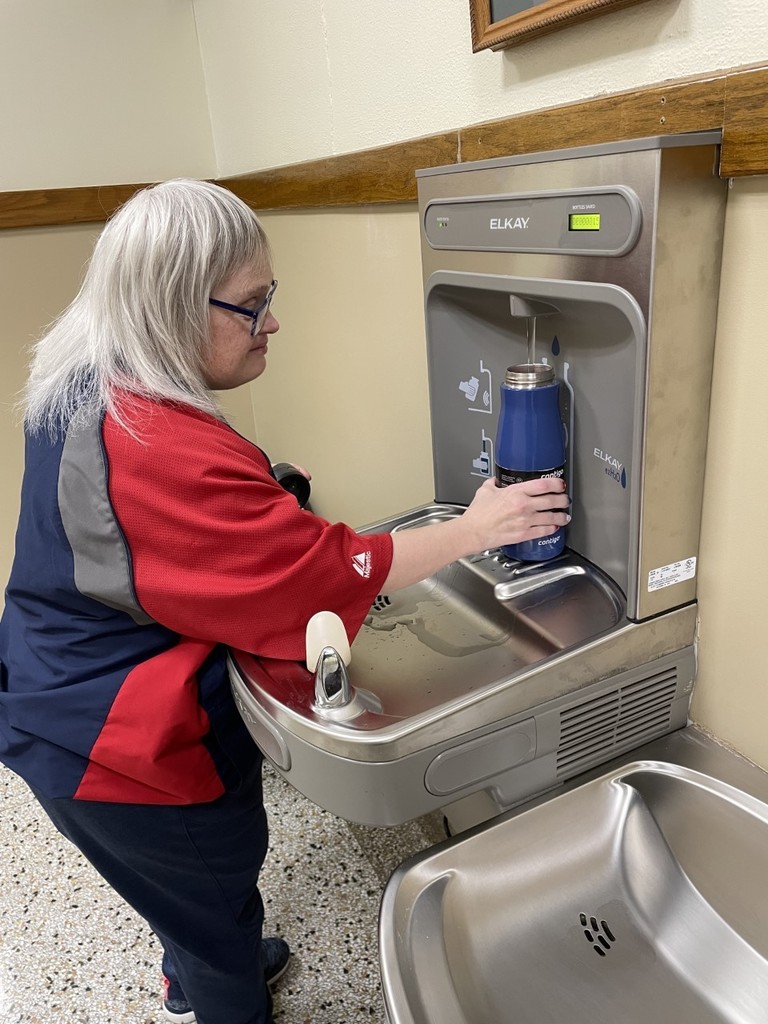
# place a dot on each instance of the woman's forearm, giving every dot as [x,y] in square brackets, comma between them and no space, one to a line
[421,552]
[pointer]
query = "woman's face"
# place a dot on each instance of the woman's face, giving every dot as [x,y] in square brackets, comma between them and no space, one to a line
[234,357]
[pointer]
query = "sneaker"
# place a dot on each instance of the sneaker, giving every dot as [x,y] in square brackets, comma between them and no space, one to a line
[275,957]
[175,1005]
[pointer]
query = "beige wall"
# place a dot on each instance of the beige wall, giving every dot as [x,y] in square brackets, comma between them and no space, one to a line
[345,392]
[41,271]
[96,92]
[93,93]
[731,696]
[287,82]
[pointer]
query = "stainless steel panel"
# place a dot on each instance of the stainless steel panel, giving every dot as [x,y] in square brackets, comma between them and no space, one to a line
[672,273]
[596,343]
[687,255]
[635,171]
[383,779]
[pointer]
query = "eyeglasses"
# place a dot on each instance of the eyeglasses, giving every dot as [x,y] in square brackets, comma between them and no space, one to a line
[257,316]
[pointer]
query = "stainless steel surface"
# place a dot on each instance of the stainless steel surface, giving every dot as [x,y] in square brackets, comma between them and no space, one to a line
[637,896]
[333,690]
[529,374]
[681,331]
[671,272]
[525,583]
[414,518]
[600,337]
[457,633]
[461,632]
[520,305]
[601,149]
[332,686]
[517,741]
[336,700]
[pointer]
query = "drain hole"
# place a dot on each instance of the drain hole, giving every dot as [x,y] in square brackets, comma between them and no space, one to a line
[598,935]
[381,602]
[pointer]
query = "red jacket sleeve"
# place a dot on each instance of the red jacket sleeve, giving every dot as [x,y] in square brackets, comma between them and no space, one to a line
[219,551]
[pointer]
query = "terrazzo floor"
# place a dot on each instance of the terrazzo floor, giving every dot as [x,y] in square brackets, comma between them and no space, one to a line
[71,951]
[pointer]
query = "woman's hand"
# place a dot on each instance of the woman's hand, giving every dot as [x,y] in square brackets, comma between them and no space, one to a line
[496,516]
[509,515]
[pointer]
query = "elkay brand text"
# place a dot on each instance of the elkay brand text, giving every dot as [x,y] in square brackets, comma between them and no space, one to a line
[510,223]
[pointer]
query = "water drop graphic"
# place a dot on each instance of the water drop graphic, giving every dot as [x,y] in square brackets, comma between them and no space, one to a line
[555,346]
[623,477]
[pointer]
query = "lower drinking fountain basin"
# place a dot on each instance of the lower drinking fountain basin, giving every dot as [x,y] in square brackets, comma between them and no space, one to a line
[636,896]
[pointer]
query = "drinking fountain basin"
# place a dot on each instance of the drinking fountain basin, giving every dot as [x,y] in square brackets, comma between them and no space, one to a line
[489,674]
[636,896]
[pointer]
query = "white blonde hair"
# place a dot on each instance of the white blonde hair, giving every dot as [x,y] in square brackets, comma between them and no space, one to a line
[140,322]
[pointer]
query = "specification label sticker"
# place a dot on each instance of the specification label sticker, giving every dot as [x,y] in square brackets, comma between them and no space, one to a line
[667,575]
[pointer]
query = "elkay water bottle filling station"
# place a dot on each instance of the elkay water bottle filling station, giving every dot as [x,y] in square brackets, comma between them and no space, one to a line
[496,680]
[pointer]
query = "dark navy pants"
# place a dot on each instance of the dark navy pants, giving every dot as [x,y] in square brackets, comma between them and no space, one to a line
[192,873]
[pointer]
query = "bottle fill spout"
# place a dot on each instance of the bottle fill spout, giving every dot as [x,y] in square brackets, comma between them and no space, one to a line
[520,306]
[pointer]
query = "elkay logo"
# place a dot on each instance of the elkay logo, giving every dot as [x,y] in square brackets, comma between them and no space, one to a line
[510,223]
[613,467]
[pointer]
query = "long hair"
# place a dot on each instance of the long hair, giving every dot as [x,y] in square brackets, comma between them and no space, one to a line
[140,322]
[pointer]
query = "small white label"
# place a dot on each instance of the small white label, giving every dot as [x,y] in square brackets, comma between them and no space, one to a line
[667,575]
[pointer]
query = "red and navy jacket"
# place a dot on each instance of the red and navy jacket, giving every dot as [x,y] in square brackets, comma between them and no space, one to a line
[139,560]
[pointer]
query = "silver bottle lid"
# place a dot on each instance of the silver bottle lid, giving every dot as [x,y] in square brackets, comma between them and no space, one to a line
[529,375]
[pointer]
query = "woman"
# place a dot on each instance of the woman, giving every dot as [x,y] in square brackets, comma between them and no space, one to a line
[151,537]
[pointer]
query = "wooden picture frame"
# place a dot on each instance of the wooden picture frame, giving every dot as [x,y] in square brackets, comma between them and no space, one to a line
[542,17]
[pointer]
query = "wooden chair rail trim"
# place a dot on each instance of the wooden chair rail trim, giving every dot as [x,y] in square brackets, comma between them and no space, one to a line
[735,101]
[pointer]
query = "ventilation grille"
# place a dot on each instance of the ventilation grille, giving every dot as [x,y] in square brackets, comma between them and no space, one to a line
[592,731]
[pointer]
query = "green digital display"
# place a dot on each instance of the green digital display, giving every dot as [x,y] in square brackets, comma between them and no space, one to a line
[583,221]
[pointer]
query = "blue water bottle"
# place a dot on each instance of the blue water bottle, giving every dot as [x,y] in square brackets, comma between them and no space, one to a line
[530,444]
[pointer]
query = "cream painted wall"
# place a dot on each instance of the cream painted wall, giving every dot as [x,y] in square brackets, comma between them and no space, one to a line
[266,72]
[731,696]
[289,82]
[41,273]
[345,391]
[94,93]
